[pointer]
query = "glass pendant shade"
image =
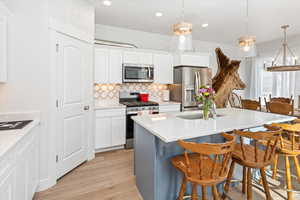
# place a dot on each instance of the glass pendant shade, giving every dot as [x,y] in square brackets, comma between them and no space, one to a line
[247,43]
[182,28]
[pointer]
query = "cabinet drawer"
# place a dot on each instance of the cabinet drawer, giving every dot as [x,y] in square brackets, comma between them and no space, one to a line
[110,112]
[6,163]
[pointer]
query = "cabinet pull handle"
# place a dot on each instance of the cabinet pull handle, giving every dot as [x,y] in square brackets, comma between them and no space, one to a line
[86,108]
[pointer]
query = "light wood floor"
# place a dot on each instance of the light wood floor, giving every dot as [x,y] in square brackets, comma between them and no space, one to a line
[110,177]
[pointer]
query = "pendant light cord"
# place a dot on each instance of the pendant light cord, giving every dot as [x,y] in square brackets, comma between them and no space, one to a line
[247,17]
[182,11]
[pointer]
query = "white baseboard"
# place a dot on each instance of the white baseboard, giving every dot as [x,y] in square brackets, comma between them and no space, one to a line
[46,184]
[109,149]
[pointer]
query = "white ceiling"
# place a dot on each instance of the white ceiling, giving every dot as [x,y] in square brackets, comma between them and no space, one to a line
[226,18]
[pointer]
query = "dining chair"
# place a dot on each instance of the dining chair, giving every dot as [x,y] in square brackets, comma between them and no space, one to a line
[254,156]
[289,147]
[234,100]
[281,99]
[204,164]
[251,104]
[280,108]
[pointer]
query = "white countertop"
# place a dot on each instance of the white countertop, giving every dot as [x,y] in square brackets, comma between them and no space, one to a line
[168,103]
[108,105]
[169,127]
[9,139]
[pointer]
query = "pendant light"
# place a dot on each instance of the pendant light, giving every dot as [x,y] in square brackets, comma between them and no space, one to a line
[247,42]
[289,63]
[183,33]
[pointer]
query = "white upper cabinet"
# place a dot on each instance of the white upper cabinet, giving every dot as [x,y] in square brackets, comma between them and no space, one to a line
[108,65]
[192,59]
[101,66]
[4,14]
[138,57]
[163,68]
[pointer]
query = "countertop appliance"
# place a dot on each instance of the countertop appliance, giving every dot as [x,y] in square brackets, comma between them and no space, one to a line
[187,79]
[5,126]
[138,73]
[133,108]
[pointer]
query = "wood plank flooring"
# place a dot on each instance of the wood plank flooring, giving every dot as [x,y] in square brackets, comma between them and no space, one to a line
[110,177]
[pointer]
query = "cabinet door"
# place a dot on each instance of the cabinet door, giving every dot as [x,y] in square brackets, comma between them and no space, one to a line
[7,185]
[146,58]
[195,60]
[115,66]
[3,49]
[163,64]
[103,138]
[131,57]
[101,66]
[118,131]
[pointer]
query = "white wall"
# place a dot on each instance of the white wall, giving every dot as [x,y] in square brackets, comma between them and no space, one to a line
[146,40]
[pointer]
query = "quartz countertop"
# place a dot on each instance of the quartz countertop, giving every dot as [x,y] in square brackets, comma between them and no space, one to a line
[108,105]
[168,103]
[169,127]
[10,138]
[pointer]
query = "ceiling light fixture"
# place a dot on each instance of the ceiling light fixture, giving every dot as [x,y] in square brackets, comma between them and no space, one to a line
[158,14]
[107,2]
[289,63]
[204,25]
[247,42]
[183,30]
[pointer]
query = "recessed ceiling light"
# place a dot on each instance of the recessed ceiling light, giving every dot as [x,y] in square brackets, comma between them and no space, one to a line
[107,2]
[204,25]
[158,14]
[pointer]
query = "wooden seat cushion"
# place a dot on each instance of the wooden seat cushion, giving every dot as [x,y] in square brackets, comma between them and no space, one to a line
[193,175]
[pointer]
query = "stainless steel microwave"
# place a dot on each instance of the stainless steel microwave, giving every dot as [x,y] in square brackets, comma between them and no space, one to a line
[138,73]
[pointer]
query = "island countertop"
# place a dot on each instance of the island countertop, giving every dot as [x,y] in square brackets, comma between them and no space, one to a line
[171,127]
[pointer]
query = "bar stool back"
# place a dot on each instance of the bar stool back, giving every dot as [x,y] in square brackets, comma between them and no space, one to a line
[251,156]
[251,104]
[280,108]
[204,164]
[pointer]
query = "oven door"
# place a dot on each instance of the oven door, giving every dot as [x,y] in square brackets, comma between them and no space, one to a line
[138,73]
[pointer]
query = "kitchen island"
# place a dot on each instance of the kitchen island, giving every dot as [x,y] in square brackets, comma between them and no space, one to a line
[156,136]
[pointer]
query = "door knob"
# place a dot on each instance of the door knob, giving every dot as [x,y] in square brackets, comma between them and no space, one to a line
[86,108]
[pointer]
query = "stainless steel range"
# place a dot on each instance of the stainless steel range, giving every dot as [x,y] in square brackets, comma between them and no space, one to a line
[135,107]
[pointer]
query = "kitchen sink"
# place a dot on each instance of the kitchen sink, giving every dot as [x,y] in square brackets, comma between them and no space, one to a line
[195,116]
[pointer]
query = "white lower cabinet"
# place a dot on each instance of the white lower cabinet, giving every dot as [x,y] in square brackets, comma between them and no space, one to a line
[110,130]
[19,169]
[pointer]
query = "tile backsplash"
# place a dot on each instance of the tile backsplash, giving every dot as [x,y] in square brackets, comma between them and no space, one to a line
[107,92]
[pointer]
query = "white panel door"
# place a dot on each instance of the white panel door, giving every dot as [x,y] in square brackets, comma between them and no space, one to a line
[131,57]
[118,131]
[103,138]
[146,58]
[71,130]
[3,49]
[101,66]
[115,66]
[163,64]
[7,185]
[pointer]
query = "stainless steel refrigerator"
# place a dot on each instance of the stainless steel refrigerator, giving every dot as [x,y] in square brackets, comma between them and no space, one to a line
[187,80]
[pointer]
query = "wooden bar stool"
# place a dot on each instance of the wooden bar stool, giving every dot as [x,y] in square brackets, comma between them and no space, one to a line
[288,147]
[251,104]
[250,156]
[206,165]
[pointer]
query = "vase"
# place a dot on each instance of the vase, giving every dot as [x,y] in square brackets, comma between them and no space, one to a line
[206,109]
[205,113]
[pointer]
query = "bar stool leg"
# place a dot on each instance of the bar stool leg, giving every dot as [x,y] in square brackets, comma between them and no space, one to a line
[297,167]
[182,189]
[265,184]
[275,166]
[244,180]
[194,191]
[215,192]
[288,178]
[229,177]
[203,192]
[249,184]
